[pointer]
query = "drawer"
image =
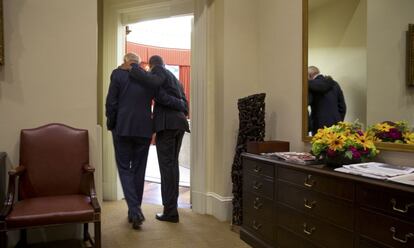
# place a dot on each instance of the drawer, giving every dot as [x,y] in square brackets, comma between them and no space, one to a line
[324,184]
[332,209]
[257,206]
[258,168]
[385,229]
[313,229]
[391,201]
[365,243]
[258,185]
[258,227]
[286,239]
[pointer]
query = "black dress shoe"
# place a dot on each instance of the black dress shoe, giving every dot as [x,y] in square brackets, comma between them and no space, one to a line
[169,218]
[137,222]
[140,216]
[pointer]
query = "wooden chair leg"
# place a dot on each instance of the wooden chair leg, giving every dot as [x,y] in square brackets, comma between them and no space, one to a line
[98,234]
[3,238]
[86,236]
[23,239]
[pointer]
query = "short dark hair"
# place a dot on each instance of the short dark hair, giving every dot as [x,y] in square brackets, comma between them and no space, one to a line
[156,60]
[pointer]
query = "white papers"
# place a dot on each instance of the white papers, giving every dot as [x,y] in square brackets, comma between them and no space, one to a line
[380,171]
[359,173]
[294,157]
[405,179]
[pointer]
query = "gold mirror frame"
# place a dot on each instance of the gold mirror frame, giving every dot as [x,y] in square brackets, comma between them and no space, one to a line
[305,136]
[1,34]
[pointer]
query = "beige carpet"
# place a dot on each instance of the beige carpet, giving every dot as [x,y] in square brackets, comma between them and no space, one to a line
[193,231]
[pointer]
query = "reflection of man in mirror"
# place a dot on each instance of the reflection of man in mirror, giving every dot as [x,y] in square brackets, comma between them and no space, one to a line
[326,100]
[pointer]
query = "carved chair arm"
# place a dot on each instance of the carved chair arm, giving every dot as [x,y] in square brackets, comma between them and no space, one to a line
[90,186]
[88,168]
[92,194]
[19,170]
[11,189]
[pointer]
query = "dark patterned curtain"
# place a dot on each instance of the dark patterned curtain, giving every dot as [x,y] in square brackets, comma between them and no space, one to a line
[251,128]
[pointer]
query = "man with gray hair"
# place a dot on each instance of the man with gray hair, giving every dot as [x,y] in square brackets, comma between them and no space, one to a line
[128,112]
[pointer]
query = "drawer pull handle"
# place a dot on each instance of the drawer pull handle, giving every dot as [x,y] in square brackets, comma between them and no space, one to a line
[308,204]
[256,226]
[257,185]
[394,206]
[256,204]
[257,169]
[308,231]
[403,241]
[308,182]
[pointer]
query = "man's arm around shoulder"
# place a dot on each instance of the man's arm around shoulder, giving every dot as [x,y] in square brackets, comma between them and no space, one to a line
[149,79]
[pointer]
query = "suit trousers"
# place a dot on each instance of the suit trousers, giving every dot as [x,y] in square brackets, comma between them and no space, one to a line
[131,155]
[168,143]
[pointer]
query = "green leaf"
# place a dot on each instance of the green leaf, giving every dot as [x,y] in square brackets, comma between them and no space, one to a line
[348,154]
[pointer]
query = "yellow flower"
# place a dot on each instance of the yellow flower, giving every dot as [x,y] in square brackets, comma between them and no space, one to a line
[365,140]
[346,125]
[321,134]
[335,141]
[408,137]
[383,127]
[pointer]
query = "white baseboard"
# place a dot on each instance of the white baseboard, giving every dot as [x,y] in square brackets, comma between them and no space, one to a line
[212,203]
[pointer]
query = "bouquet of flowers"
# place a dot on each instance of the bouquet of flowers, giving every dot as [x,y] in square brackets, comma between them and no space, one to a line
[344,143]
[396,132]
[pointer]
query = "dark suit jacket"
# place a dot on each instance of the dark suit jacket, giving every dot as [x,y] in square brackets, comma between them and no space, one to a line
[128,106]
[328,103]
[164,82]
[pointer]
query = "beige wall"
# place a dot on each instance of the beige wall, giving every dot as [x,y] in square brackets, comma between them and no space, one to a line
[388,96]
[237,69]
[280,66]
[253,53]
[50,71]
[337,46]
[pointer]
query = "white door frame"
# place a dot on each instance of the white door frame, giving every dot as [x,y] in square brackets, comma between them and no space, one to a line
[116,15]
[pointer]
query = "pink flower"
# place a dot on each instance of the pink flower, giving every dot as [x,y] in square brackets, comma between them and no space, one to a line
[355,153]
[330,153]
[395,134]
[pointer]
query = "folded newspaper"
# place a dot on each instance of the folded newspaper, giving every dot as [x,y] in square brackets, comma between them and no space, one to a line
[405,179]
[293,157]
[376,170]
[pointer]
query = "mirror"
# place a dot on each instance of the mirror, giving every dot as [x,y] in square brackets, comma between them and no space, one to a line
[365,53]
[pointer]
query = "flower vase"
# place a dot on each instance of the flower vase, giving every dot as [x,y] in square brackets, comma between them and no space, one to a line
[339,160]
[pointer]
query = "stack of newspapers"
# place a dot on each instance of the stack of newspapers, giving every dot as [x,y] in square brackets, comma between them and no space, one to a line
[293,157]
[402,174]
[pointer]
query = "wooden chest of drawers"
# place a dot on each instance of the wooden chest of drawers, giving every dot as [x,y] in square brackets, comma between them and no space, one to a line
[258,200]
[294,206]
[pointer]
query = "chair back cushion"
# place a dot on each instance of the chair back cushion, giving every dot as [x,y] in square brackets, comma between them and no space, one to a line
[54,156]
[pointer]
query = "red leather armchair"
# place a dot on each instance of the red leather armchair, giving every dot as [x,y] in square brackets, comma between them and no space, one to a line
[55,186]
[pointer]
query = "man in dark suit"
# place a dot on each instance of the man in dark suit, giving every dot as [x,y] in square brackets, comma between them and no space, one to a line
[170,125]
[128,112]
[326,100]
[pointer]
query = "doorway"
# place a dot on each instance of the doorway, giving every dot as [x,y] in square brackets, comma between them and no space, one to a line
[118,14]
[169,38]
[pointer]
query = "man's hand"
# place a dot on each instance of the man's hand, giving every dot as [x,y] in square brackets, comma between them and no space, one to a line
[185,107]
[126,66]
